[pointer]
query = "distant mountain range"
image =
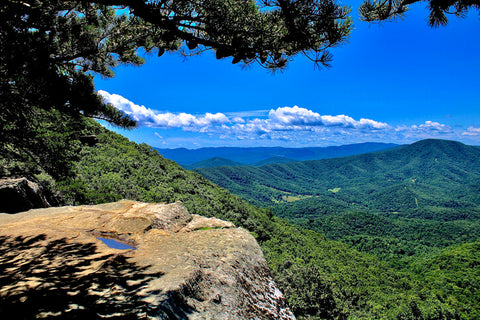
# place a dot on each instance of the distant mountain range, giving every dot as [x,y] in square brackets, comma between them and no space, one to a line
[394,203]
[426,174]
[256,156]
[213,162]
[218,162]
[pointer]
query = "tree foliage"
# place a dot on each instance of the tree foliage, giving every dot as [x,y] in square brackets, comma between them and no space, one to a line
[395,204]
[51,49]
[46,49]
[381,10]
[269,32]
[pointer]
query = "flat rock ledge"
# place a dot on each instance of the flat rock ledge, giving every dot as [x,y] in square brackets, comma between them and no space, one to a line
[59,263]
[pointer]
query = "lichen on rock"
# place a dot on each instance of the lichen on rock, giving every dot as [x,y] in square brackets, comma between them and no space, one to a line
[184,266]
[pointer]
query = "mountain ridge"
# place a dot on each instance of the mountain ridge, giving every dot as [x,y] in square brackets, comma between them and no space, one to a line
[251,155]
[213,162]
[427,190]
[418,160]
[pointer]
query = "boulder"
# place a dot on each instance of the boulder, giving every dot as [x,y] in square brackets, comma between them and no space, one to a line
[20,194]
[60,262]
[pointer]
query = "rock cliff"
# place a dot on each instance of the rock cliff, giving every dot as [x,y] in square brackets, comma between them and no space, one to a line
[62,263]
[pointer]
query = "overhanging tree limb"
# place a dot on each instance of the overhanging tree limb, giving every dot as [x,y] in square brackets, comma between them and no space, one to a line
[380,10]
[50,49]
[243,30]
[47,46]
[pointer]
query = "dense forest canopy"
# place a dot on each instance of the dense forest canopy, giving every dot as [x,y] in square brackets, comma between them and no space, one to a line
[395,203]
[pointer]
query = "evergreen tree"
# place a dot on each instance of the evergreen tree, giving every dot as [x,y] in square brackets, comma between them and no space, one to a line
[50,50]
[381,10]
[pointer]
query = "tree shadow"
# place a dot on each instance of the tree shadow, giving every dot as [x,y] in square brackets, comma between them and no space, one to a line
[58,279]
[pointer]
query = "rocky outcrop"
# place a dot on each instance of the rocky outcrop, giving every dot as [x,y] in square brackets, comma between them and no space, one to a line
[20,194]
[54,263]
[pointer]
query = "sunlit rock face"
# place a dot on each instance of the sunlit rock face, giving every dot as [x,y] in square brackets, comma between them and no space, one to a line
[56,263]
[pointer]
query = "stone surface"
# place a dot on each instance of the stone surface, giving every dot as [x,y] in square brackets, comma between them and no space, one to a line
[20,194]
[184,266]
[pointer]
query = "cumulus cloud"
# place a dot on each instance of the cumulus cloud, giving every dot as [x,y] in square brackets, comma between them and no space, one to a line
[238,120]
[297,119]
[151,118]
[297,116]
[294,124]
[426,130]
[472,131]
[294,116]
[433,126]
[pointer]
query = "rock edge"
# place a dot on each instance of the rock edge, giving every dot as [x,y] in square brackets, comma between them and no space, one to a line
[184,266]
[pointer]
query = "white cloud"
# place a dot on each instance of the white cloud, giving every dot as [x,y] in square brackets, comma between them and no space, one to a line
[426,130]
[372,124]
[303,117]
[294,116]
[152,118]
[472,131]
[238,120]
[433,126]
[294,124]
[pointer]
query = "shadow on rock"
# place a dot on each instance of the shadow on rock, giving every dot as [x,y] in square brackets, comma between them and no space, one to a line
[59,279]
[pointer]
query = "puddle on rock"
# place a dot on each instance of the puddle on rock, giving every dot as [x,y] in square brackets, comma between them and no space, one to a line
[115,244]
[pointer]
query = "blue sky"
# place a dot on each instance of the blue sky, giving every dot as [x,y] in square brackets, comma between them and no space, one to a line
[395,82]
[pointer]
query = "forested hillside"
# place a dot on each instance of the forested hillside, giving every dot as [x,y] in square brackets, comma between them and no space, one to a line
[393,204]
[425,174]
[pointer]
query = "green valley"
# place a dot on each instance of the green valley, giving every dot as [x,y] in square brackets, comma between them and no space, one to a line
[394,204]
